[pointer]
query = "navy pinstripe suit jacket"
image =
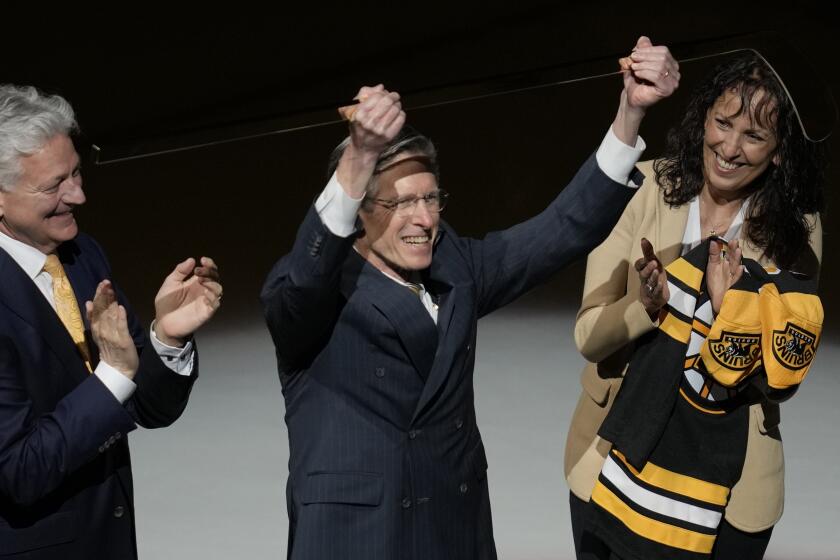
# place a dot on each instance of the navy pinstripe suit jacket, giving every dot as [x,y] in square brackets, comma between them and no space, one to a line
[386,460]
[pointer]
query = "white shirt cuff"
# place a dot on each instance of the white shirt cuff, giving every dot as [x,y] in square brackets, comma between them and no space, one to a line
[337,209]
[179,360]
[616,159]
[120,386]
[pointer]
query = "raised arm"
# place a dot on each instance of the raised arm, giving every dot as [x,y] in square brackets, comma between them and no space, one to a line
[587,209]
[301,297]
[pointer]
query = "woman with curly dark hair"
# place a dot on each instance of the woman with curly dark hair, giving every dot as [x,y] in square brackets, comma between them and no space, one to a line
[737,167]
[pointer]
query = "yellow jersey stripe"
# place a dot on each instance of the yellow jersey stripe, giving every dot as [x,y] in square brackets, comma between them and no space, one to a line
[676,328]
[700,328]
[652,529]
[686,273]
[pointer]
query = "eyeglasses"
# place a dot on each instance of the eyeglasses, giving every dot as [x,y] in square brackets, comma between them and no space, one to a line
[434,201]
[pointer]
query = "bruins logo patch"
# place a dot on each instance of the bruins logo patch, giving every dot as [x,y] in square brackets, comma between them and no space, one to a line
[794,347]
[736,351]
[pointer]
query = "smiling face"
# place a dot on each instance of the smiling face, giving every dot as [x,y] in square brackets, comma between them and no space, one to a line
[738,146]
[38,210]
[394,243]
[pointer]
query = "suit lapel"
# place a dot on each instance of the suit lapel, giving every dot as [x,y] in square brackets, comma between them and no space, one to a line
[400,306]
[20,295]
[432,349]
[448,291]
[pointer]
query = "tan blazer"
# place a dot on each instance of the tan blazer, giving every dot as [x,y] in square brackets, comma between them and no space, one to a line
[611,317]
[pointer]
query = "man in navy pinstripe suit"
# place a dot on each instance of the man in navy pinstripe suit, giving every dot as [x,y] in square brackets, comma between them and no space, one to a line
[375,331]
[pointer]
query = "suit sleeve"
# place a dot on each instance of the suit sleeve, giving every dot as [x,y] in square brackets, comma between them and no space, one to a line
[161,395]
[38,453]
[301,297]
[609,316]
[508,263]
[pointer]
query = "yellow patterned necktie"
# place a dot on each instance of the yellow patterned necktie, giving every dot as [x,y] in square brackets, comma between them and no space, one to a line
[67,307]
[416,288]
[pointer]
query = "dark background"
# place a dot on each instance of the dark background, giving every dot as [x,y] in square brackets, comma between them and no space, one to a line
[146,80]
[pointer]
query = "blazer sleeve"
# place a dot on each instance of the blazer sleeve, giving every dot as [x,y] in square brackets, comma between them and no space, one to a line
[610,317]
[161,394]
[508,263]
[38,453]
[301,296]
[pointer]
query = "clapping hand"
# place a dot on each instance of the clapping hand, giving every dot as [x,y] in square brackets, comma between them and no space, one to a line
[723,269]
[109,329]
[187,299]
[653,292]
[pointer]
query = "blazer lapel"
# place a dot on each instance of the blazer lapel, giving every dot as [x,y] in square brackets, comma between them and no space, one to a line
[401,307]
[20,295]
[671,224]
[450,319]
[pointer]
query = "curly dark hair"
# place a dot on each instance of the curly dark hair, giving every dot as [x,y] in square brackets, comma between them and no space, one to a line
[784,194]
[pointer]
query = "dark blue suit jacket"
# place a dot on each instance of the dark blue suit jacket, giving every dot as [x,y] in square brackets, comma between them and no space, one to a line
[65,476]
[386,459]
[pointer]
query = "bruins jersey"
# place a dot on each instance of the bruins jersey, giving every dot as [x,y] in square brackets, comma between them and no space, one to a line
[679,424]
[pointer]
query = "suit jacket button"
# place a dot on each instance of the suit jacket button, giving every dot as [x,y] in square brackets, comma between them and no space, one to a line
[406,503]
[380,372]
[412,434]
[459,423]
[119,511]
[463,488]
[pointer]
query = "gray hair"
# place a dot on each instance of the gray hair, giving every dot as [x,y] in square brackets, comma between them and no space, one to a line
[407,141]
[28,119]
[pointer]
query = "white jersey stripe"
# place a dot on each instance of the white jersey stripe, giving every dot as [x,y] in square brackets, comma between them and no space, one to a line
[681,301]
[695,343]
[695,379]
[654,502]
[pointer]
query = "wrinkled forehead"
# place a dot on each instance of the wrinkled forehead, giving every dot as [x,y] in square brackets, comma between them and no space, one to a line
[407,166]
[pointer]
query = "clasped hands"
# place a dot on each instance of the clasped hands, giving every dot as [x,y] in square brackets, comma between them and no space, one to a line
[374,122]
